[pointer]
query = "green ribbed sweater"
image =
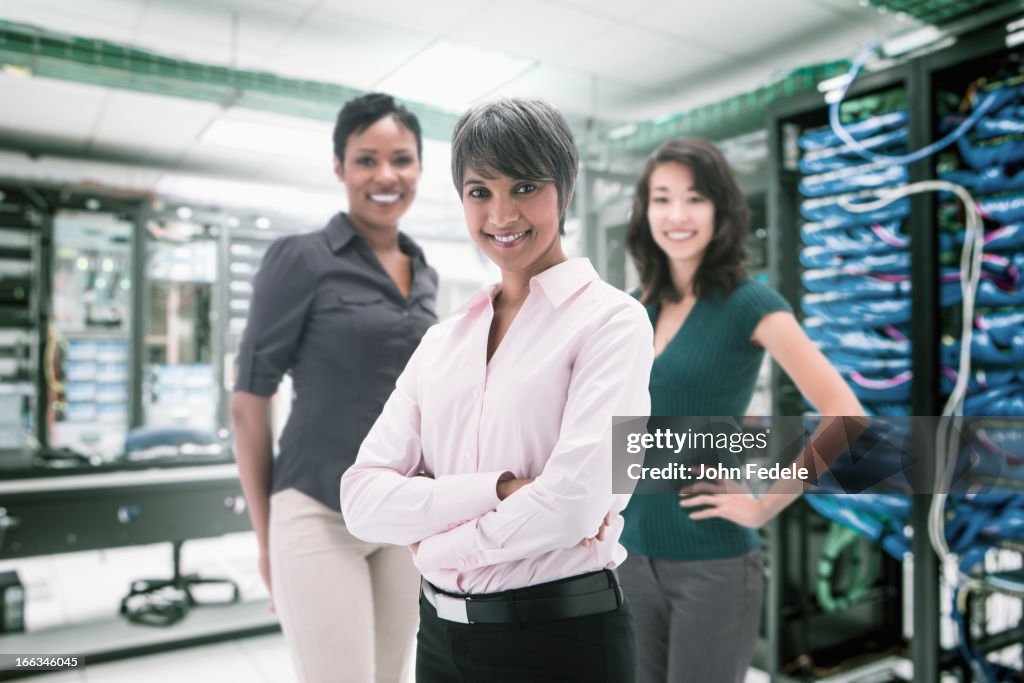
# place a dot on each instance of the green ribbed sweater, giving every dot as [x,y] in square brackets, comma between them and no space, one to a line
[709,368]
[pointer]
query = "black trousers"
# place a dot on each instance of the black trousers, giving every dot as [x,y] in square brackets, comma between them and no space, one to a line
[600,648]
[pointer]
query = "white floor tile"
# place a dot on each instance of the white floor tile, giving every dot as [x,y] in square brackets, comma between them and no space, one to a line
[202,664]
[60,677]
[270,655]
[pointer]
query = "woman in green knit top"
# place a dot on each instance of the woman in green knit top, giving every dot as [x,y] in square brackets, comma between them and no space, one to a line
[694,575]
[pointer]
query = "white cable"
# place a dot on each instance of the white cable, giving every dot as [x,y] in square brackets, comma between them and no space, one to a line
[947,438]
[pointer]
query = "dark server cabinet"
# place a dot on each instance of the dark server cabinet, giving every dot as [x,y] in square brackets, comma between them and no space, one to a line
[24,248]
[802,641]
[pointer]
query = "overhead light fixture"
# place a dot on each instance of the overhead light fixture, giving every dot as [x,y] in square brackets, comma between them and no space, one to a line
[263,223]
[184,213]
[428,77]
[17,70]
[1015,33]
[266,138]
[92,204]
[912,40]
[622,131]
[296,201]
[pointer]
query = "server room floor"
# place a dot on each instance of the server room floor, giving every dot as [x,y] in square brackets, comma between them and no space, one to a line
[259,659]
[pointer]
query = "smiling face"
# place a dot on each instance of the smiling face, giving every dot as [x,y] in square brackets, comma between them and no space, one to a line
[682,219]
[380,170]
[513,221]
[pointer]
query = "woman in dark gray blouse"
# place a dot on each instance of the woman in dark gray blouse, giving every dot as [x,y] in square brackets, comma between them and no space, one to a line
[340,310]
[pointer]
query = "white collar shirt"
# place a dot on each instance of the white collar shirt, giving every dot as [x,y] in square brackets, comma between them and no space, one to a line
[577,353]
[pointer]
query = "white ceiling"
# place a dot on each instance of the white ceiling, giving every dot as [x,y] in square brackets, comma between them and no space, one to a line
[605,59]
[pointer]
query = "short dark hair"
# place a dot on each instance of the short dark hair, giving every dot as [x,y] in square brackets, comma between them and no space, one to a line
[362,112]
[520,138]
[721,268]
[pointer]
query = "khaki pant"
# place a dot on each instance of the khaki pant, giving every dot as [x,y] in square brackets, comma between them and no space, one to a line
[348,608]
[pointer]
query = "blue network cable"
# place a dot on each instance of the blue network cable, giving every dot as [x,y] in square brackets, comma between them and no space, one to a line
[993,101]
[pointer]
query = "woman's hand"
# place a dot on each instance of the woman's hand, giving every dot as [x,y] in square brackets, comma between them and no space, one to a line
[264,565]
[733,502]
[599,536]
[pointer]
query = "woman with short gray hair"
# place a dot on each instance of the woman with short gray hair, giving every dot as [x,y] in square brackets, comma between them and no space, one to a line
[492,458]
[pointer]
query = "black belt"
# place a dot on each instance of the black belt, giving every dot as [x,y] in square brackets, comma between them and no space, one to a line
[578,596]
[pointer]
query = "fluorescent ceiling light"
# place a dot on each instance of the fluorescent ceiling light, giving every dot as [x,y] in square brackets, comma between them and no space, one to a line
[222,192]
[17,70]
[266,138]
[912,40]
[622,131]
[452,76]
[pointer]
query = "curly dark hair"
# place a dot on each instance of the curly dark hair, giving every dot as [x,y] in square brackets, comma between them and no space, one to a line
[721,268]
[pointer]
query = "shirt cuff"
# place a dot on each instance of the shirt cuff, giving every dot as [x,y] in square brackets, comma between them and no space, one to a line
[453,549]
[462,497]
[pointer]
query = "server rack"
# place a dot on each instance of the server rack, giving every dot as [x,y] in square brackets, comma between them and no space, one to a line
[24,255]
[801,636]
[923,80]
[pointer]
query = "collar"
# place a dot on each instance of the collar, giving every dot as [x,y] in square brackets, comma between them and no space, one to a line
[340,232]
[562,281]
[558,283]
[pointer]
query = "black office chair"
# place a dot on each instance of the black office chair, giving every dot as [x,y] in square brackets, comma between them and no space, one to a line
[163,602]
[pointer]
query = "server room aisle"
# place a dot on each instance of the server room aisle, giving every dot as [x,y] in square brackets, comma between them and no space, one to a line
[260,659]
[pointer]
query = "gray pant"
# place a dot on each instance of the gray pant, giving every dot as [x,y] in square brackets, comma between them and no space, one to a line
[696,621]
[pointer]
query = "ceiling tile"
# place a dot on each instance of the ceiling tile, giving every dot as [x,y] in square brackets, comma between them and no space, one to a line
[715,24]
[303,173]
[105,19]
[606,8]
[205,32]
[530,28]
[636,56]
[436,17]
[347,50]
[210,159]
[140,120]
[64,110]
[571,90]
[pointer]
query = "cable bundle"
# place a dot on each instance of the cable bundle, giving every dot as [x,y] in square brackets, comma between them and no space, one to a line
[857,263]
[982,374]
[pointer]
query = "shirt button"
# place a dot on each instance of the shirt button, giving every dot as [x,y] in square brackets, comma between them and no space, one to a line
[462,563]
[468,453]
[470,561]
[476,394]
[405,314]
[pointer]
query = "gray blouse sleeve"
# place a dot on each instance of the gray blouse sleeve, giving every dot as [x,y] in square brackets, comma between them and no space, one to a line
[283,290]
